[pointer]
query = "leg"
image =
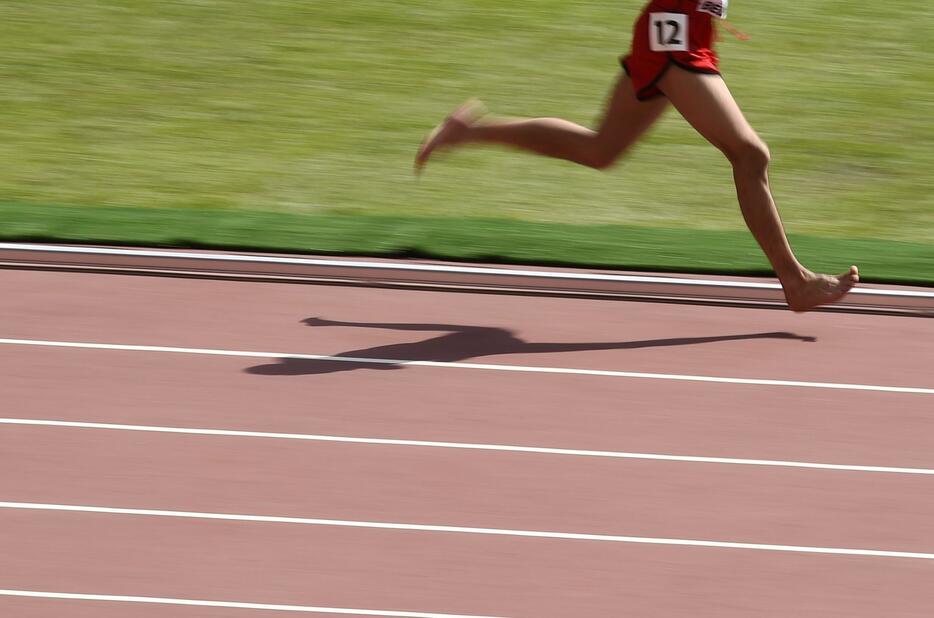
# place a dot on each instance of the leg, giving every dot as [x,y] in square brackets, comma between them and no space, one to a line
[625,120]
[707,104]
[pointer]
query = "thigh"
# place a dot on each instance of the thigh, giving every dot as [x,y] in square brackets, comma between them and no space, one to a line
[708,105]
[626,118]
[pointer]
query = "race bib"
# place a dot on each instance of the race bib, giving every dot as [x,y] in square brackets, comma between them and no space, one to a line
[717,8]
[668,32]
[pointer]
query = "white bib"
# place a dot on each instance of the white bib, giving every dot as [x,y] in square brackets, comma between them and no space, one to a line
[717,8]
[668,32]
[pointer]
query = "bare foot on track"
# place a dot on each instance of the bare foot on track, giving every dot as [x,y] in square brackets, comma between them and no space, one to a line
[449,132]
[816,290]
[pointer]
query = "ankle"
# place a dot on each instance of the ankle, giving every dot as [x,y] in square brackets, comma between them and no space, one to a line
[794,276]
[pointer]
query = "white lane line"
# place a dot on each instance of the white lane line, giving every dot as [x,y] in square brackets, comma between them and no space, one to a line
[611,538]
[513,368]
[228,604]
[463,446]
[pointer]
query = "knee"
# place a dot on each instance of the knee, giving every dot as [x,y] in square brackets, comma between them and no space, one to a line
[603,156]
[750,154]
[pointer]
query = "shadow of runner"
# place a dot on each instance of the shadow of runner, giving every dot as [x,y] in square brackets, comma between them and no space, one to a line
[461,343]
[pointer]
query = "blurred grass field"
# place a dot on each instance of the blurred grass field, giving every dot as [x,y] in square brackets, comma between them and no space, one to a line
[232,111]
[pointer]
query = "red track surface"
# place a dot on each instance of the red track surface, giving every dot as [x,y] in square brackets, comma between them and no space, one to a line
[443,572]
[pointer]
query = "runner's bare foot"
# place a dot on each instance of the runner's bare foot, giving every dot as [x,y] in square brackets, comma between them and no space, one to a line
[816,290]
[449,132]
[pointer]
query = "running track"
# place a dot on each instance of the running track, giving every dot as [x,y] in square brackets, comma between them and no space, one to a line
[815,457]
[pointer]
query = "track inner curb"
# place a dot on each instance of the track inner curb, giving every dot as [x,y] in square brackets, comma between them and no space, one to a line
[886,300]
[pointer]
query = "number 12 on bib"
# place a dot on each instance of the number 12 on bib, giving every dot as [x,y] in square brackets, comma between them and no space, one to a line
[668,32]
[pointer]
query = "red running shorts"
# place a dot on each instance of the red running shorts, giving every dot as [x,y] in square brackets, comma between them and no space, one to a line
[670,32]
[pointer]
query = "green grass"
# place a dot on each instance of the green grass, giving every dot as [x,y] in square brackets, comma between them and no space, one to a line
[495,240]
[289,113]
